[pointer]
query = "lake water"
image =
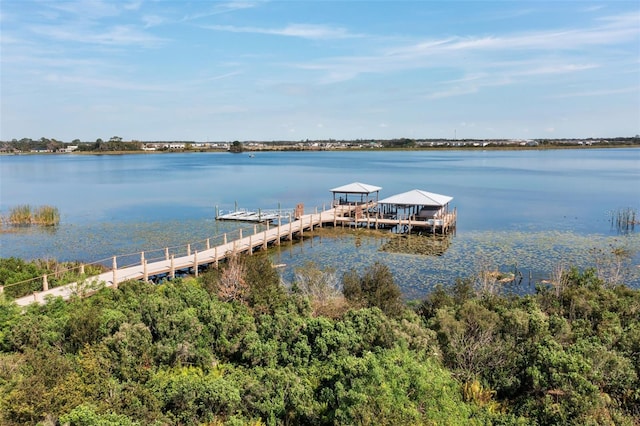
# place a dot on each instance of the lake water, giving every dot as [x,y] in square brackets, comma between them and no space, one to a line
[529,209]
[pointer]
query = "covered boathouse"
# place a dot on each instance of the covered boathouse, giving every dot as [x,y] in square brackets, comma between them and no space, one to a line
[354,194]
[418,209]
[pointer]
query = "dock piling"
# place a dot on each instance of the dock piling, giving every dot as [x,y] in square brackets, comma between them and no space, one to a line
[115,268]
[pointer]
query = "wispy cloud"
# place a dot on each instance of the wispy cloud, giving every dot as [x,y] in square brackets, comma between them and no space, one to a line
[222,8]
[120,35]
[107,83]
[307,31]
[548,52]
[88,9]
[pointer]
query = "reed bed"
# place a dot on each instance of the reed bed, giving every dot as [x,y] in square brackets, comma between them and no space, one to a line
[27,215]
[624,220]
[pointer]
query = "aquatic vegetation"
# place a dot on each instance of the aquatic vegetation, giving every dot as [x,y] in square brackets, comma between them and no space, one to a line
[26,215]
[532,256]
[415,266]
[624,220]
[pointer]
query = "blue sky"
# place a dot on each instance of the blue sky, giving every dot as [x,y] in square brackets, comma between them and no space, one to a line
[296,70]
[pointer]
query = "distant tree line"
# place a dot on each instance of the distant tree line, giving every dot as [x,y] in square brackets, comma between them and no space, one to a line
[116,143]
[235,346]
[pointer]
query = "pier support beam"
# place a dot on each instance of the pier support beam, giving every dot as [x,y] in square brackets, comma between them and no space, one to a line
[114,267]
[188,249]
[195,263]
[264,245]
[145,272]
[172,269]
[166,253]
[208,244]
[250,246]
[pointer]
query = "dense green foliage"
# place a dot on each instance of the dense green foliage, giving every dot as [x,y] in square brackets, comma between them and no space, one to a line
[567,355]
[19,277]
[177,353]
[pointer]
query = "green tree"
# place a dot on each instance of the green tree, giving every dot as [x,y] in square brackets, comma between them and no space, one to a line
[375,287]
[236,147]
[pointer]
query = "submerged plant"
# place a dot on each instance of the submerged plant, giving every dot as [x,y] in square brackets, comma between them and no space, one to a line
[624,220]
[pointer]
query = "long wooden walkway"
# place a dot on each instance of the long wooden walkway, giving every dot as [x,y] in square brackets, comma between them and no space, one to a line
[170,265]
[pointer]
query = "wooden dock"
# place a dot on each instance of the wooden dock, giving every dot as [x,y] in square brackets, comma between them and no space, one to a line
[170,265]
[260,216]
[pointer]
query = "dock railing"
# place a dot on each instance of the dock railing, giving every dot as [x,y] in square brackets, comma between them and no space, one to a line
[109,269]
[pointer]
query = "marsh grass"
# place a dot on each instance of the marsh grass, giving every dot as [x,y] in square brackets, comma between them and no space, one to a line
[624,220]
[26,215]
[20,215]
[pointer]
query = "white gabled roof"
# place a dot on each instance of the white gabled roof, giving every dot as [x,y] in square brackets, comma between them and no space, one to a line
[356,188]
[417,197]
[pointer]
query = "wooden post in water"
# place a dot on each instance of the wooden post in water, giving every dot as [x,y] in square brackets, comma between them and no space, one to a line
[188,249]
[195,263]
[166,253]
[290,230]
[172,269]
[142,258]
[320,221]
[208,244]
[224,238]
[145,272]
[301,226]
[45,283]
[240,233]
[255,229]
[115,268]
[250,246]
[264,245]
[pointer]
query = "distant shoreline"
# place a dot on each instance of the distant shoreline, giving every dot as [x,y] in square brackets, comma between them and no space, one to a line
[342,149]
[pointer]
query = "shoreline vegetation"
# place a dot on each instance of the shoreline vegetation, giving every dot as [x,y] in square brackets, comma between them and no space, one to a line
[25,215]
[234,346]
[116,145]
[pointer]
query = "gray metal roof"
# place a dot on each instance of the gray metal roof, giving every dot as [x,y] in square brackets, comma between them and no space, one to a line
[417,197]
[356,188]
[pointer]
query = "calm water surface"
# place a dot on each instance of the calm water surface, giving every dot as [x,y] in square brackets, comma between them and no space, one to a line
[516,209]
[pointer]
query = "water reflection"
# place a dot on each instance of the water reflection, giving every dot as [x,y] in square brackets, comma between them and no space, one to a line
[424,245]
